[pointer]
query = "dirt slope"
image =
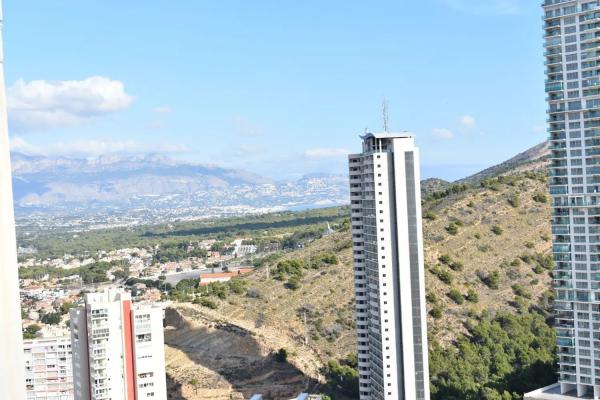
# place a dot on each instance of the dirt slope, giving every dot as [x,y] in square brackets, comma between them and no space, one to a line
[243,331]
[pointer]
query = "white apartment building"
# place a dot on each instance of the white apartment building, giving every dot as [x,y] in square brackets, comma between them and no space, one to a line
[572,51]
[48,369]
[389,277]
[118,349]
[12,375]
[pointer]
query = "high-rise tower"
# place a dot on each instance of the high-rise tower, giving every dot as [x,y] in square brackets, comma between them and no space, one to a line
[387,239]
[572,51]
[12,374]
[118,349]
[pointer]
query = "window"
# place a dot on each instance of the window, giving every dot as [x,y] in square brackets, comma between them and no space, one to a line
[143,338]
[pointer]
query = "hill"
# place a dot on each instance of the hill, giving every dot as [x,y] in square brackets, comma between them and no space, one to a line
[533,159]
[487,256]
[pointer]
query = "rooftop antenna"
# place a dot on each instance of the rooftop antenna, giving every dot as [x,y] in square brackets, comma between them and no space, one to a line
[385,115]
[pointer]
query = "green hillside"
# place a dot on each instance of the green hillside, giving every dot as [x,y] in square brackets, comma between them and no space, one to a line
[488,278]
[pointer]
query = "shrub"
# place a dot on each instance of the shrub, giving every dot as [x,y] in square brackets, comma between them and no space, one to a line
[430,215]
[452,228]
[514,201]
[444,276]
[445,259]
[491,279]
[470,204]
[526,258]
[436,312]
[293,283]
[497,230]
[472,296]
[477,236]
[520,290]
[540,197]
[238,286]
[456,296]
[529,245]
[456,265]
[431,298]
[208,303]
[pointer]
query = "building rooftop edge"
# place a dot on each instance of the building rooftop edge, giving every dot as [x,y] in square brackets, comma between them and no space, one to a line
[388,135]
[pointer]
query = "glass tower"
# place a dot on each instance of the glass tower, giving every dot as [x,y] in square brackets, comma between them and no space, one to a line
[572,53]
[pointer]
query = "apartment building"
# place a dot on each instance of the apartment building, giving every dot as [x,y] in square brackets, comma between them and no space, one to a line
[388,268]
[572,51]
[118,349]
[12,378]
[48,369]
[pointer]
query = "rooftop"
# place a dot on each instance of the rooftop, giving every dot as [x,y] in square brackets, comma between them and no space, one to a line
[552,392]
[388,135]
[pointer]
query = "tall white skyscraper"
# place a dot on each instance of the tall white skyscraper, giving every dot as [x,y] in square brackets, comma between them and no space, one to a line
[12,374]
[118,349]
[572,51]
[387,239]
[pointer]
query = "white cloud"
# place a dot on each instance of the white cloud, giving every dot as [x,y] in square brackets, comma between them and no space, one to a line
[441,133]
[326,153]
[487,7]
[467,121]
[40,105]
[91,147]
[162,110]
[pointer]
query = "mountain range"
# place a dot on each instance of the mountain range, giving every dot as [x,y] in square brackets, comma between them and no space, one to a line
[120,183]
[155,188]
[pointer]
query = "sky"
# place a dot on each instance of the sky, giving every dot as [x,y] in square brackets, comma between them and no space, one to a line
[279,88]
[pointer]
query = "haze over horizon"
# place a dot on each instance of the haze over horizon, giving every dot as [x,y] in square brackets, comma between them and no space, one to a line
[278,91]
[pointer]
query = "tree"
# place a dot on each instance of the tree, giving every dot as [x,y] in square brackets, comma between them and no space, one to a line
[281,355]
[65,307]
[343,376]
[51,318]
[31,331]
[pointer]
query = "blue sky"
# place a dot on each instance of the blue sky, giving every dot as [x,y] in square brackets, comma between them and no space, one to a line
[280,88]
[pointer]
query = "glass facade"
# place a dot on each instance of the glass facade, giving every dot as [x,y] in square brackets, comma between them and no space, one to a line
[572,51]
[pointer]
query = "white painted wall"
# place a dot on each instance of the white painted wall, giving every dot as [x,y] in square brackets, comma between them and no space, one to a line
[12,377]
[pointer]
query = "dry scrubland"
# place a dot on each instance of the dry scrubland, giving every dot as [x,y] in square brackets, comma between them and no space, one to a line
[485,248]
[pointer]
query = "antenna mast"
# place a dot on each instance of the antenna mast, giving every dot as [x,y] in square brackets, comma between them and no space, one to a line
[385,115]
